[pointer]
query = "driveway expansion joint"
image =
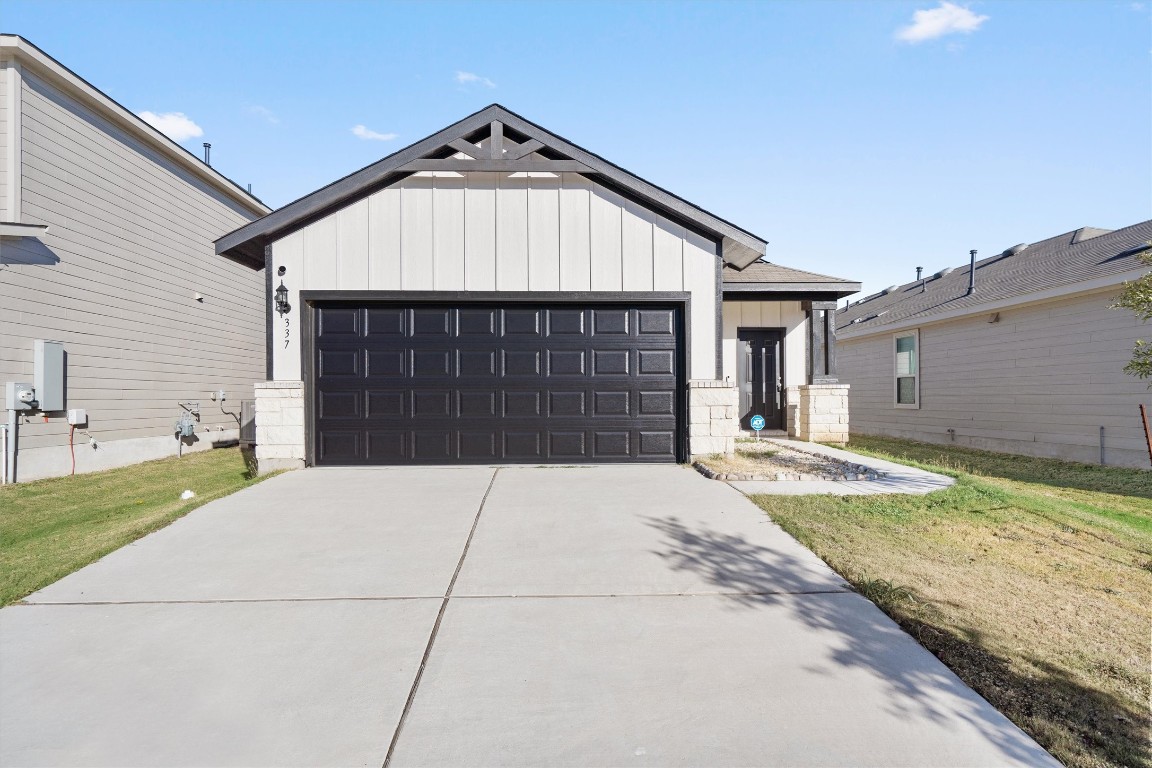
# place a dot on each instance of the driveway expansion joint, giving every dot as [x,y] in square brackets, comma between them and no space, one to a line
[436,626]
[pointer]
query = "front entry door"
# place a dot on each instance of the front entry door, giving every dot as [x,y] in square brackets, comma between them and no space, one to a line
[761,376]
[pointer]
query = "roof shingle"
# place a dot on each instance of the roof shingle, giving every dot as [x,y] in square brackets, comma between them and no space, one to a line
[1078,256]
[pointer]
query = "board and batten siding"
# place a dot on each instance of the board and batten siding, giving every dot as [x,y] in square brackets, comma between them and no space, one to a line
[1040,381]
[788,315]
[129,244]
[441,231]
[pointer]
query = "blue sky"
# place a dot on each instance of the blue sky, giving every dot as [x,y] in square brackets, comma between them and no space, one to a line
[861,139]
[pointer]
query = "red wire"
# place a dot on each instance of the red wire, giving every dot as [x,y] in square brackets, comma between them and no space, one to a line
[72,446]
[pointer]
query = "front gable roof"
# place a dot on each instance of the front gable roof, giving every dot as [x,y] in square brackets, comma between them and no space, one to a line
[511,144]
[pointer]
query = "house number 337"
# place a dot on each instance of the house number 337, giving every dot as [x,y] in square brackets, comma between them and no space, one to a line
[287,331]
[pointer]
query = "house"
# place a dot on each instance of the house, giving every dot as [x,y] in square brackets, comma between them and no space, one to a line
[496,293]
[106,232]
[1029,360]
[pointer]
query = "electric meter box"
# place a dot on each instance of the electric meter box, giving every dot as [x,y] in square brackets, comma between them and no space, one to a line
[48,369]
[19,396]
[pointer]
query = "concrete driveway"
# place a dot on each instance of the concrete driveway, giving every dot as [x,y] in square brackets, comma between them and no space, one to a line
[604,616]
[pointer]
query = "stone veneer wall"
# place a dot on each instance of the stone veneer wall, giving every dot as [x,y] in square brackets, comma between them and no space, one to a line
[823,413]
[279,425]
[712,419]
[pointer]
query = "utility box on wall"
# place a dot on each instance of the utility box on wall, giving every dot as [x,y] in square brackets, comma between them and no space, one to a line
[49,374]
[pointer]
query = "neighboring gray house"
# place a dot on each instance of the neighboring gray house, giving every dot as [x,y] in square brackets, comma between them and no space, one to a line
[106,230]
[497,293]
[1030,362]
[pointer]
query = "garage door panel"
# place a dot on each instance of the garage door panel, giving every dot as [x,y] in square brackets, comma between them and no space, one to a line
[567,403]
[385,404]
[476,405]
[477,322]
[478,445]
[384,322]
[519,445]
[386,446]
[475,383]
[657,444]
[522,322]
[566,322]
[610,322]
[339,405]
[611,444]
[431,322]
[609,362]
[332,322]
[337,445]
[432,445]
[385,363]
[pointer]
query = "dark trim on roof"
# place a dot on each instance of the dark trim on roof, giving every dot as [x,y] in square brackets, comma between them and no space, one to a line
[783,295]
[839,288]
[739,247]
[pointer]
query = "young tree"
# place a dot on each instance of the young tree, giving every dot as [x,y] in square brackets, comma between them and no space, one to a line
[1137,296]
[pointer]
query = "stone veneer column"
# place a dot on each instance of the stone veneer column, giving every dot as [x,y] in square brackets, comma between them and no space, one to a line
[712,419]
[279,425]
[823,416]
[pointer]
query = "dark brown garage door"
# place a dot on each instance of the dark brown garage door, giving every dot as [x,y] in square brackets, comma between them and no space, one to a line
[477,383]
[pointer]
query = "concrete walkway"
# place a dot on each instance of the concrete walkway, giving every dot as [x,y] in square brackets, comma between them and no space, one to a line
[600,616]
[898,478]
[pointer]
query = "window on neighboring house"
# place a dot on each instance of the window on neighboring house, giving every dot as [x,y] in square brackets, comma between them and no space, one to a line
[908,370]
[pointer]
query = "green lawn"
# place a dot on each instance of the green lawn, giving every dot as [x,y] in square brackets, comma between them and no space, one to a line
[1031,579]
[50,528]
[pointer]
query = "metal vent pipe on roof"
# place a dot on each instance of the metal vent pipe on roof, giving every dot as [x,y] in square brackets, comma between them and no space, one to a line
[919,271]
[207,153]
[972,272]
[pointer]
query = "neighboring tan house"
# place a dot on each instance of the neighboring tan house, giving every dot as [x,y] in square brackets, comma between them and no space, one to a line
[1031,361]
[495,293]
[106,230]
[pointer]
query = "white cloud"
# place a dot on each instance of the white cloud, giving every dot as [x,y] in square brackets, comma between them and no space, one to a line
[946,19]
[175,125]
[470,78]
[362,132]
[263,112]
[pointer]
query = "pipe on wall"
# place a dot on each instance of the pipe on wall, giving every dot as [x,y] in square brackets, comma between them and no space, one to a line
[11,441]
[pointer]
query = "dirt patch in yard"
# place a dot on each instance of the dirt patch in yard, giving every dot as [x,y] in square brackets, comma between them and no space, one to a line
[762,460]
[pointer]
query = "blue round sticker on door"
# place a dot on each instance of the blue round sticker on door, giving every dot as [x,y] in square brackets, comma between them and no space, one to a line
[757,423]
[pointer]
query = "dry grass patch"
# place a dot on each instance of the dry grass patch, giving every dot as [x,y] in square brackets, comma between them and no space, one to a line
[50,528]
[1031,580]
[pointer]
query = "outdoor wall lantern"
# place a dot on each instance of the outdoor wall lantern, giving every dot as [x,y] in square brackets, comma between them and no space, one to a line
[282,305]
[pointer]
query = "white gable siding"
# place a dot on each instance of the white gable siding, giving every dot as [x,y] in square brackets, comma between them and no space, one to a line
[1041,382]
[488,231]
[129,244]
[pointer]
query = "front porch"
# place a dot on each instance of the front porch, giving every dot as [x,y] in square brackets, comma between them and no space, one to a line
[778,349]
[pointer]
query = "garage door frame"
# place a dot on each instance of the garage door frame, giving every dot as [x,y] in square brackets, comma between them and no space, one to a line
[309,299]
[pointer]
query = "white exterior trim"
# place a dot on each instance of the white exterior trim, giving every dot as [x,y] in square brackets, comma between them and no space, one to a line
[11,229]
[19,52]
[12,170]
[1086,286]
[915,334]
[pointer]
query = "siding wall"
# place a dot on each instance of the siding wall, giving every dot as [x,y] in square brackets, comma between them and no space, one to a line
[129,244]
[1040,382]
[769,314]
[498,232]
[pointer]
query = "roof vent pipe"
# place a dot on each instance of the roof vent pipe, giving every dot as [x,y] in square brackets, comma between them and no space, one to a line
[919,271]
[972,272]
[207,153]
